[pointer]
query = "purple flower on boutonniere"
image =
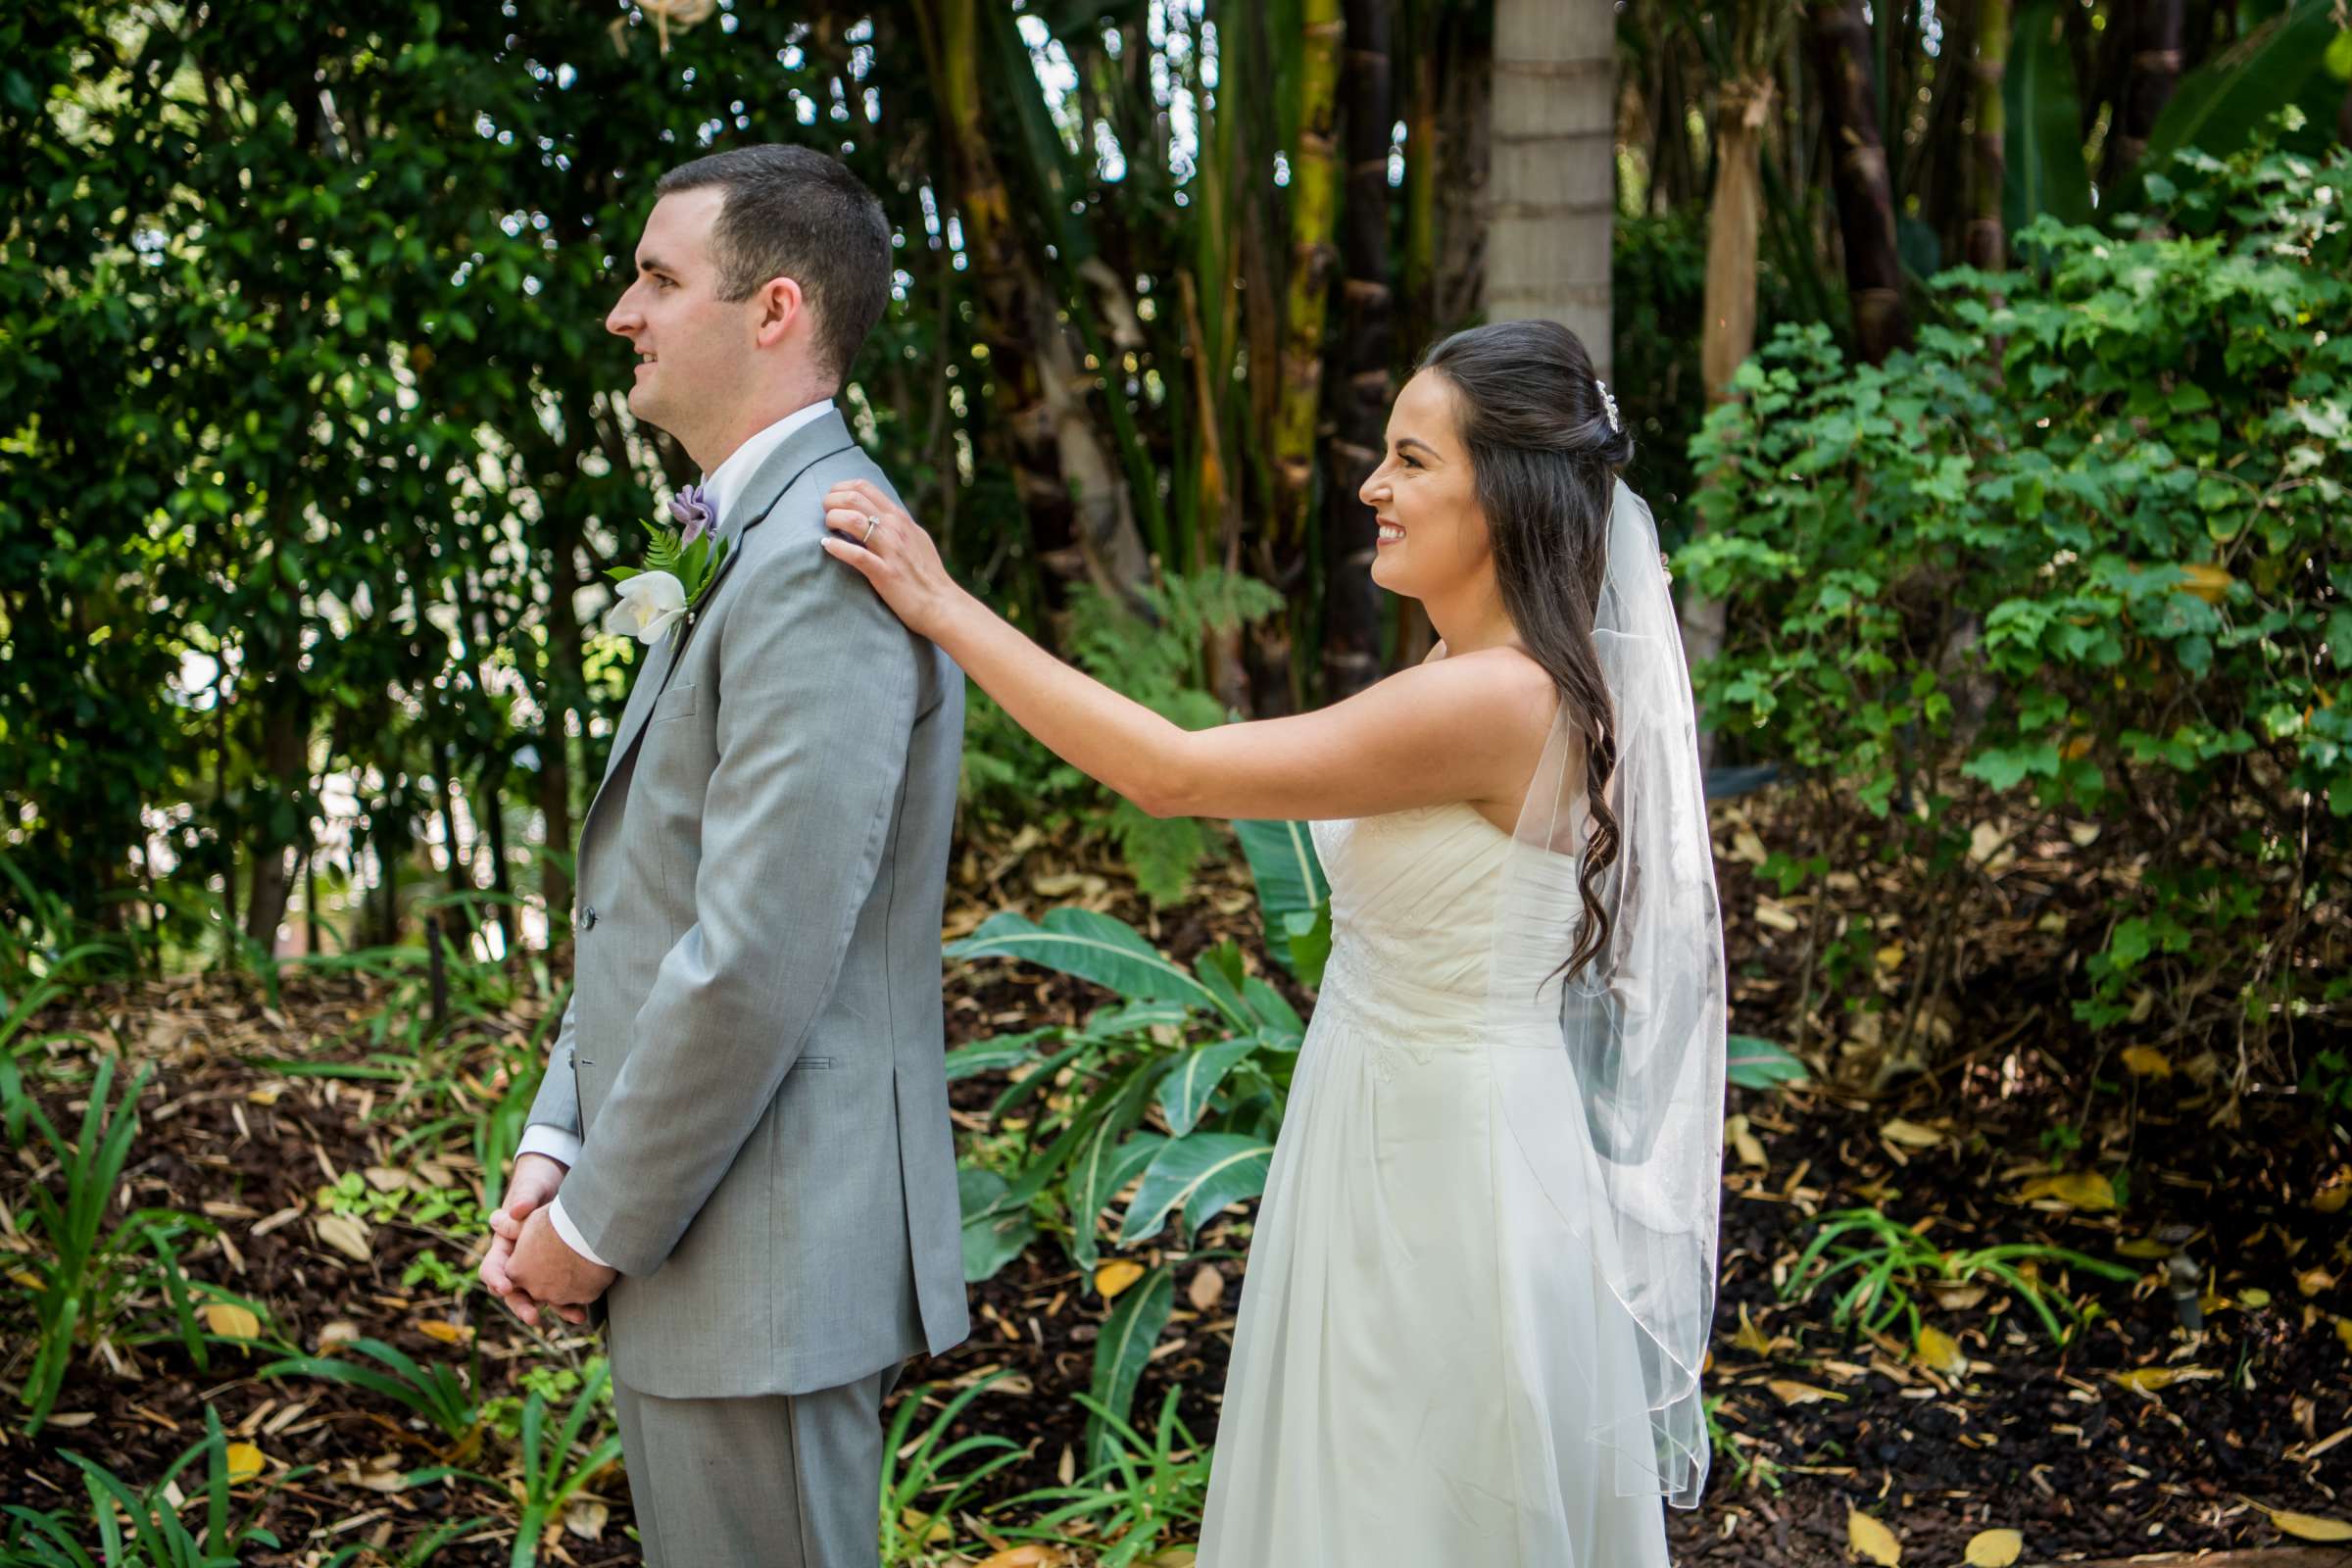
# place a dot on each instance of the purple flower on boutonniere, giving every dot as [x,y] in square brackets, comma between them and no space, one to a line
[680,565]
[694,511]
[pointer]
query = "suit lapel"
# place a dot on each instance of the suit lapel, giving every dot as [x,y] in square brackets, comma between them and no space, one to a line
[815,441]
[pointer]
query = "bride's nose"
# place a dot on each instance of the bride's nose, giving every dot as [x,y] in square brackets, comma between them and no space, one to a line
[1375,488]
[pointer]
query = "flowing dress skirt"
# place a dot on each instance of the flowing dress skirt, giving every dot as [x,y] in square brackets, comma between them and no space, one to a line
[1427,1367]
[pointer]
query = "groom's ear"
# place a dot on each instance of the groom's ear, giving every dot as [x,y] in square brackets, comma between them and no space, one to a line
[783,309]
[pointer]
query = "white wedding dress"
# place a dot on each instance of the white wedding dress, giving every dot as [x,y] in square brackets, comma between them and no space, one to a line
[1429,1366]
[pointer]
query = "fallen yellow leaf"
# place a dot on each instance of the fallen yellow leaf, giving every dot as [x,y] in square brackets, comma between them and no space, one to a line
[2146,1061]
[29,1279]
[2076,1189]
[2148,1379]
[1116,1275]
[1911,1133]
[1940,1352]
[244,1462]
[2343,1332]
[1994,1548]
[2334,1191]
[1752,1339]
[1791,1392]
[937,1531]
[266,1095]
[1866,1537]
[1034,1555]
[448,1333]
[231,1322]
[2144,1246]
[2305,1526]
[2313,1281]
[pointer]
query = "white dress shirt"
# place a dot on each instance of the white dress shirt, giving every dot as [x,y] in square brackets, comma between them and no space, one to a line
[728,479]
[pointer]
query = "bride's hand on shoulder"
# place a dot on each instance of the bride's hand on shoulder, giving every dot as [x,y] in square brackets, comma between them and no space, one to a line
[890,550]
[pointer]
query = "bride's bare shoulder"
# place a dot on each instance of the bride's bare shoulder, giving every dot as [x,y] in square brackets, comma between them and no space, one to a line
[1495,689]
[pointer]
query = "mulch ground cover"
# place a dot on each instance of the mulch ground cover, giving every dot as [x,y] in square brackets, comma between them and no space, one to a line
[2137,1438]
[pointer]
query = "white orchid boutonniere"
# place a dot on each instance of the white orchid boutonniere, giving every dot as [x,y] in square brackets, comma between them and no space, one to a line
[655,599]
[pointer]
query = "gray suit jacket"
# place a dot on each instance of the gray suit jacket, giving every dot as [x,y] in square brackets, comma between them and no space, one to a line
[754,1055]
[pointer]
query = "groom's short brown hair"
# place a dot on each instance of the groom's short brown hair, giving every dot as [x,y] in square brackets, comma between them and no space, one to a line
[793,212]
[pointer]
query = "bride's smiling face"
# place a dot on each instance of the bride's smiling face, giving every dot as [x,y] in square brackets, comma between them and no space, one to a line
[1433,536]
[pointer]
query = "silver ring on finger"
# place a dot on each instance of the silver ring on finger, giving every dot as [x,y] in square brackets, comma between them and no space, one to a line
[871,523]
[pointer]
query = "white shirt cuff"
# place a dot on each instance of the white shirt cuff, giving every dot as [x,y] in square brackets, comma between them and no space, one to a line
[570,1233]
[546,1137]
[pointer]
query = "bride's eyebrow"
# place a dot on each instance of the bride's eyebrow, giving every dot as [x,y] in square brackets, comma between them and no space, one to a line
[1416,441]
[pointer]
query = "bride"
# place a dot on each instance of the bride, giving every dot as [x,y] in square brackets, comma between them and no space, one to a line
[1478,1293]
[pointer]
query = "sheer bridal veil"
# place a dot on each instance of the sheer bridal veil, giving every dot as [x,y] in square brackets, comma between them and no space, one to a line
[1611,1080]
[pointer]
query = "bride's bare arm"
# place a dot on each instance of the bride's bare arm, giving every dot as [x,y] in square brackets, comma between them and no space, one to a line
[1463,728]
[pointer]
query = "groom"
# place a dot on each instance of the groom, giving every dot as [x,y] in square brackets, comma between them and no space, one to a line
[741,1145]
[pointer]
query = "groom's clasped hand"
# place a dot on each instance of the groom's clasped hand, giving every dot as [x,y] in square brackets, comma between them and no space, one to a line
[527,1265]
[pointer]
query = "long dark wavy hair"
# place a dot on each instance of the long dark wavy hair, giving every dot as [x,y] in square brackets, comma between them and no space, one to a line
[1546,459]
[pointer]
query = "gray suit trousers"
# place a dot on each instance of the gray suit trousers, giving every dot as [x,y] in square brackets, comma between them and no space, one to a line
[763,1480]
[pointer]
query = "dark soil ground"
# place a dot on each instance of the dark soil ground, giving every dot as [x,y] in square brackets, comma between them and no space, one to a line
[2255,1416]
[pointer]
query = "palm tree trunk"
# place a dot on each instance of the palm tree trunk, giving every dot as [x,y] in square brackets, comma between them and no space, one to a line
[1734,224]
[1363,355]
[1873,282]
[1065,478]
[1315,211]
[1551,201]
[1279,556]
[1987,245]
[2158,32]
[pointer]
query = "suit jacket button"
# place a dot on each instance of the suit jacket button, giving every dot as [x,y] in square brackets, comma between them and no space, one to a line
[588,918]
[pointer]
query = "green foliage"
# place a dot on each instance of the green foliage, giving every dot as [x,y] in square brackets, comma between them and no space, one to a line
[921,1490]
[1726,1444]
[1121,1354]
[1209,1049]
[551,1473]
[2042,163]
[156,1538]
[2082,550]
[437,1394]
[1754,1063]
[1294,896]
[1154,657]
[1141,1495]
[89,1283]
[1891,1262]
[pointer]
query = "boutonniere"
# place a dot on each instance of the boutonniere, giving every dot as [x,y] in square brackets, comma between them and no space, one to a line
[680,563]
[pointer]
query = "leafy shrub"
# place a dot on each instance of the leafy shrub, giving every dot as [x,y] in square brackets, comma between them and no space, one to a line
[155,1538]
[1178,1090]
[2079,554]
[91,1282]
[1160,662]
